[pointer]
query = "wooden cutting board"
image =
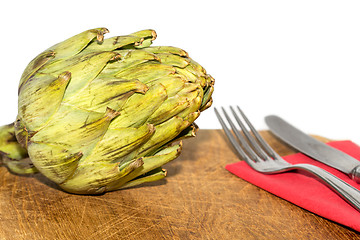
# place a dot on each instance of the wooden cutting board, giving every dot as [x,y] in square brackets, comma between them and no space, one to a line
[198,200]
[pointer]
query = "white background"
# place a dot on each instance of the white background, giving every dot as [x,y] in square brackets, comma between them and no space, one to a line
[297,59]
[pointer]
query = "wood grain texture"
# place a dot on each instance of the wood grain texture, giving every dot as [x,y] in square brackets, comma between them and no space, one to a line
[198,200]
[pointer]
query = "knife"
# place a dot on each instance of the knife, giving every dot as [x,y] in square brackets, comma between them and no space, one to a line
[313,147]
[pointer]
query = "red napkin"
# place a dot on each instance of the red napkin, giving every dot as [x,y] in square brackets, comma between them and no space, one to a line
[306,191]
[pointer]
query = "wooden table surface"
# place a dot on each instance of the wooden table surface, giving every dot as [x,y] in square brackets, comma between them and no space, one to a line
[198,199]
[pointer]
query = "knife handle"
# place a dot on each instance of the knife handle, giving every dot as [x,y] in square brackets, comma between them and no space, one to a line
[355,174]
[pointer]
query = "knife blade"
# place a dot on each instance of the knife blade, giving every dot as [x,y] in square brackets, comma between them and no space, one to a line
[313,147]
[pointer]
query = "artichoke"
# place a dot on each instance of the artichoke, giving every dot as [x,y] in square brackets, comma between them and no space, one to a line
[97,115]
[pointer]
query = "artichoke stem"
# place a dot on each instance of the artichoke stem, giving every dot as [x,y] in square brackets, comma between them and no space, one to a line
[9,145]
[22,167]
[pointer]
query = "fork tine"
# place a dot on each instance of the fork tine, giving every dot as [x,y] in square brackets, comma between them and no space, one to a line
[230,136]
[261,140]
[242,140]
[236,132]
[250,138]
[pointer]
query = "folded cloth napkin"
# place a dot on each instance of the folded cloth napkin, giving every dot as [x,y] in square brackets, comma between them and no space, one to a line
[305,191]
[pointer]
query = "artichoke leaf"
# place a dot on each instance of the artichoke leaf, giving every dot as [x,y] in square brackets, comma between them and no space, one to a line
[78,124]
[190,76]
[173,60]
[113,43]
[140,107]
[193,107]
[150,163]
[94,178]
[77,43]
[154,175]
[207,97]
[55,161]
[37,89]
[167,49]
[117,143]
[173,106]
[37,63]
[163,134]
[106,92]
[130,58]
[146,71]
[83,69]
[173,83]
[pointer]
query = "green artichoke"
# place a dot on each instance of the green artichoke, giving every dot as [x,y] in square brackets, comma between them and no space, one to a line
[99,115]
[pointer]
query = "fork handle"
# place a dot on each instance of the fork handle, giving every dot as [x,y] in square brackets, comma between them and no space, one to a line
[343,189]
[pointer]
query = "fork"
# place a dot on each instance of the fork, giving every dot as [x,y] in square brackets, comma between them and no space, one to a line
[261,157]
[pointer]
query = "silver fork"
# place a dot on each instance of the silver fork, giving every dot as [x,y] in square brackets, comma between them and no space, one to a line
[261,157]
